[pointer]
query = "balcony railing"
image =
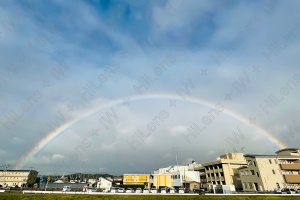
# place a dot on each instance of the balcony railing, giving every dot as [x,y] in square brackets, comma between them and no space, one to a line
[295,166]
[292,178]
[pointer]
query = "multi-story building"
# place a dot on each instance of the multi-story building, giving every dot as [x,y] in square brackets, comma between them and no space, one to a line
[17,177]
[290,167]
[136,179]
[222,171]
[271,172]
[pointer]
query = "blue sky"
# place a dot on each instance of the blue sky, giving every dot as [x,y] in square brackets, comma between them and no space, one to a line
[240,54]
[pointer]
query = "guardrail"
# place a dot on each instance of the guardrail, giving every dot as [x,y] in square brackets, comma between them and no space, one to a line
[95,193]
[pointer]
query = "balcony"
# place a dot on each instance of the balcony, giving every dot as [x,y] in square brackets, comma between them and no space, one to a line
[295,166]
[292,178]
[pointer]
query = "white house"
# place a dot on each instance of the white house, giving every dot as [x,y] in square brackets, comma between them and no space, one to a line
[179,178]
[104,184]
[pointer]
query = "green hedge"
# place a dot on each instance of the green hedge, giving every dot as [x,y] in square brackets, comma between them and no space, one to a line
[133,197]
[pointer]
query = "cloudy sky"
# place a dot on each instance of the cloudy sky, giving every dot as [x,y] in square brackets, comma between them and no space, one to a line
[125,86]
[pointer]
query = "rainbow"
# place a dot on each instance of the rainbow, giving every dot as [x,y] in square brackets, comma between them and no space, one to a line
[54,134]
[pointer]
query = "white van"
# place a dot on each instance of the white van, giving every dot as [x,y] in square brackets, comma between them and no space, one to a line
[153,190]
[66,188]
[138,190]
[172,191]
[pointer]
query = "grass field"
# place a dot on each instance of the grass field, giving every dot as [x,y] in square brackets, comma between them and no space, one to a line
[133,197]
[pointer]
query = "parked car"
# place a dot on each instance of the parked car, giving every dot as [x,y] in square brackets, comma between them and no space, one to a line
[172,191]
[114,190]
[129,190]
[288,191]
[146,191]
[163,190]
[153,190]
[138,190]
[298,191]
[121,190]
[181,190]
[66,189]
[277,191]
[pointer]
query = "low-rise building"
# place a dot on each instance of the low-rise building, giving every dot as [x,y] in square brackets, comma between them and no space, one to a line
[17,177]
[136,179]
[161,180]
[185,179]
[104,184]
[222,171]
[271,172]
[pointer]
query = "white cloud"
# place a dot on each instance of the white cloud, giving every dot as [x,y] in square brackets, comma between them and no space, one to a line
[57,157]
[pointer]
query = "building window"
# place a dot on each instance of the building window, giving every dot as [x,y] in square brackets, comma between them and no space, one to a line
[257,174]
[245,185]
[250,185]
[270,161]
[242,173]
[273,171]
[252,172]
[246,173]
[221,173]
[254,163]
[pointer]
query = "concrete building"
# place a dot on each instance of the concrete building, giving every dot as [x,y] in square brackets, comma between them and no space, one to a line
[136,179]
[222,171]
[17,177]
[161,180]
[185,179]
[271,172]
[171,168]
[290,166]
[104,184]
[117,180]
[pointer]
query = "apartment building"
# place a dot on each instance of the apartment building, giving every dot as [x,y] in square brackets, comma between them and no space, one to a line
[271,172]
[222,171]
[290,166]
[17,177]
[136,179]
